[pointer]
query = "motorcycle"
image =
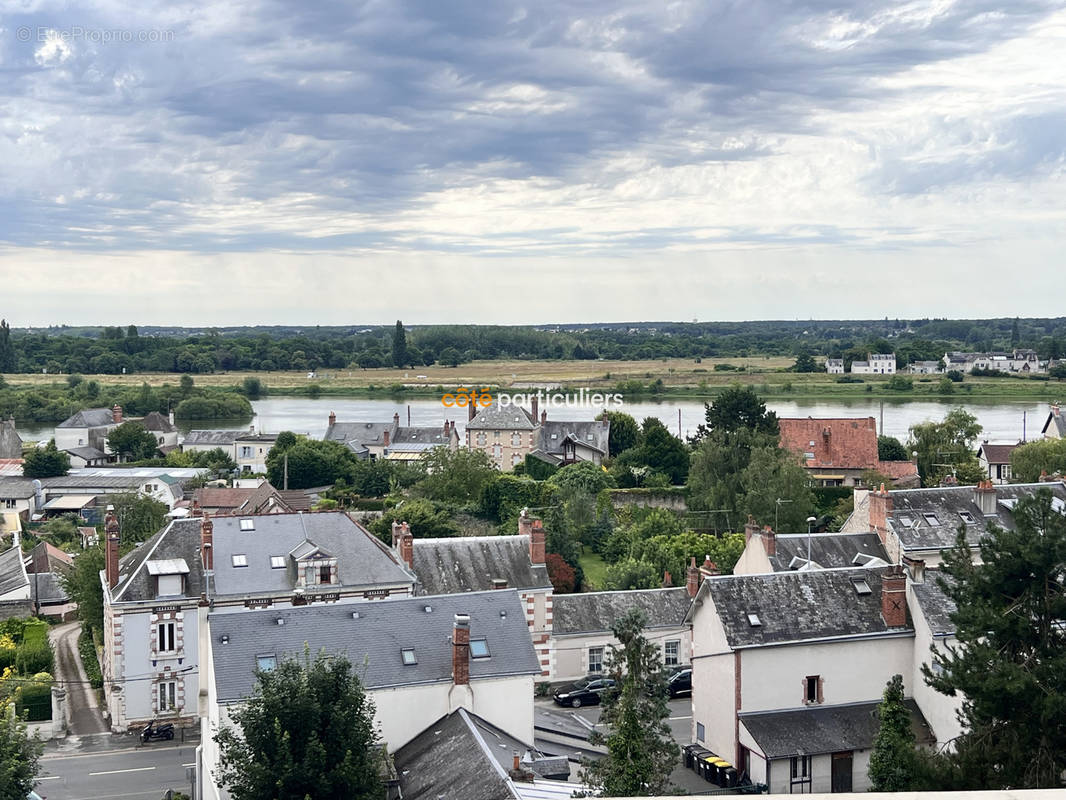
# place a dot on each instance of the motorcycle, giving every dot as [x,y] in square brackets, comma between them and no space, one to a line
[153,731]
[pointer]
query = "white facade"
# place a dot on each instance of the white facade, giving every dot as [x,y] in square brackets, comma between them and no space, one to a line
[876,364]
[834,366]
[575,656]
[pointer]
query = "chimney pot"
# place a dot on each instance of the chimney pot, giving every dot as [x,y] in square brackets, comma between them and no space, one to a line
[535,402]
[385,438]
[668,581]
[894,597]
[112,533]
[116,414]
[461,650]
[769,541]
[544,417]
[396,418]
[692,578]
[207,543]
[332,419]
[536,543]
[407,546]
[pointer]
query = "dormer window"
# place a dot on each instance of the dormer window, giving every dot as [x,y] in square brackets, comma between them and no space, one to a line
[247,524]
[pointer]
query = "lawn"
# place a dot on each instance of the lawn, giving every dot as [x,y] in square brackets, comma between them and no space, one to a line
[595,569]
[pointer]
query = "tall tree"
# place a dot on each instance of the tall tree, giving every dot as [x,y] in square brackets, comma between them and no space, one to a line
[7,352]
[45,462]
[737,407]
[624,433]
[641,753]
[1043,455]
[139,516]
[19,755]
[399,346]
[659,451]
[805,363]
[1015,334]
[889,448]
[455,477]
[1010,662]
[307,731]
[947,448]
[132,442]
[82,583]
[893,762]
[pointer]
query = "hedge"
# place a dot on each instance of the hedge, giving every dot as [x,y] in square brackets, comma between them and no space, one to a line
[34,658]
[89,659]
[35,701]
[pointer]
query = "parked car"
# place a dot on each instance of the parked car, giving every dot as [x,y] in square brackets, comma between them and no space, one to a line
[680,682]
[583,693]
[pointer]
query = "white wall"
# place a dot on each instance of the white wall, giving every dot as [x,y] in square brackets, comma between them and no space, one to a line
[570,653]
[753,561]
[938,709]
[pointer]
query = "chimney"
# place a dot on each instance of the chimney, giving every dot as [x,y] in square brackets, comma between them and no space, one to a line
[880,508]
[499,583]
[916,569]
[1044,477]
[207,541]
[606,420]
[397,534]
[446,429]
[516,763]
[536,542]
[709,568]
[692,578]
[196,511]
[116,414]
[827,433]
[750,528]
[385,438]
[461,650]
[471,411]
[984,495]
[332,419]
[769,541]
[544,417]
[536,406]
[407,545]
[525,524]
[894,597]
[170,416]
[111,526]
[667,580]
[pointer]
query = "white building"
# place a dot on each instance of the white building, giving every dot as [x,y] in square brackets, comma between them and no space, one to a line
[876,364]
[834,366]
[925,367]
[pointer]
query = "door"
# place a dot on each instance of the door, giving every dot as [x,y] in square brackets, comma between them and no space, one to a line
[842,772]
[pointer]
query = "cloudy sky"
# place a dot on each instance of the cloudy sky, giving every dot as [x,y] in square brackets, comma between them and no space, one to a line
[258,161]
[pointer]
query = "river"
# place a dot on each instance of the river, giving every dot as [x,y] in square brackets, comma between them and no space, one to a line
[1001,420]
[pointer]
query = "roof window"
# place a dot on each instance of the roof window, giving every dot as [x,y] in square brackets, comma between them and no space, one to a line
[967,517]
[930,517]
[266,663]
[407,655]
[861,586]
[239,560]
[906,522]
[479,648]
[277,562]
[754,621]
[247,524]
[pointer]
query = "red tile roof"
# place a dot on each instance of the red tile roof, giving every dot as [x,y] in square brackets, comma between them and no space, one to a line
[211,497]
[832,443]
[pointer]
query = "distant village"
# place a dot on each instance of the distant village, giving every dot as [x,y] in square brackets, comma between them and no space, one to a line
[779,664]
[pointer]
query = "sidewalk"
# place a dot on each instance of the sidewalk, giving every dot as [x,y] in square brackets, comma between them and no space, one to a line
[116,742]
[83,713]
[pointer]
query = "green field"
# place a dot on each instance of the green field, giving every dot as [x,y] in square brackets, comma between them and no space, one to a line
[595,569]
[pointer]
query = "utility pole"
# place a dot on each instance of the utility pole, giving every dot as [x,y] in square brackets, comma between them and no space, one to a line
[285,458]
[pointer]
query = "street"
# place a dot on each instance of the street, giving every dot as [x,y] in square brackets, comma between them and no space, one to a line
[109,768]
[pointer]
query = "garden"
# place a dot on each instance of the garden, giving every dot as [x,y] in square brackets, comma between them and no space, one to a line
[26,664]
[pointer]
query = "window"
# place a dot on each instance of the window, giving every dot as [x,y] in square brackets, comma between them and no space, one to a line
[277,562]
[701,732]
[801,775]
[266,663]
[861,586]
[672,652]
[309,575]
[812,689]
[930,517]
[595,659]
[482,439]
[149,487]
[754,621]
[247,524]
[168,695]
[516,458]
[166,641]
[479,648]
[247,452]
[325,574]
[239,560]
[497,451]
[9,503]
[516,440]
[408,656]
[496,435]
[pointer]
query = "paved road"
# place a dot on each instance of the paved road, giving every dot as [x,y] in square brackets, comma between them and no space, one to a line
[111,768]
[82,711]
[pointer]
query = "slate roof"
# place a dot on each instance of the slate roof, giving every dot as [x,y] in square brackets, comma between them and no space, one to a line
[157,423]
[823,729]
[595,612]
[256,437]
[1055,422]
[376,638]
[89,418]
[433,436]
[497,417]
[294,499]
[16,488]
[45,587]
[210,438]
[99,482]
[828,550]
[996,453]
[178,540]
[470,563]
[364,433]
[452,758]
[590,433]
[935,606]
[797,606]
[850,444]
[10,441]
[12,570]
[86,453]
[952,506]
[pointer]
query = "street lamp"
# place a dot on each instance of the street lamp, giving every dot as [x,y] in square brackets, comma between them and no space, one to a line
[810,522]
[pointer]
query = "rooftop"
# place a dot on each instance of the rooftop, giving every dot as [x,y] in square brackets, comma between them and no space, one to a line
[211,438]
[12,571]
[832,443]
[89,418]
[472,563]
[595,612]
[828,550]
[589,433]
[497,417]
[935,605]
[997,453]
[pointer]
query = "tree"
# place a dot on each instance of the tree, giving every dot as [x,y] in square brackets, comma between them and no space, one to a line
[641,753]
[660,451]
[399,346]
[426,521]
[805,363]
[1015,335]
[82,583]
[629,573]
[139,517]
[946,448]
[1043,455]
[132,442]
[455,477]
[7,353]
[583,476]
[624,433]
[1010,662]
[306,731]
[45,462]
[889,448]
[738,407]
[561,574]
[450,357]
[309,463]
[672,553]
[773,474]
[19,755]
[893,762]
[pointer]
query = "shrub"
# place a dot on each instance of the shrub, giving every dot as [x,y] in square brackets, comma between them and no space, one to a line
[34,658]
[848,379]
[955,375]
[34,700]
[898,383]
[87,649]
[725,367]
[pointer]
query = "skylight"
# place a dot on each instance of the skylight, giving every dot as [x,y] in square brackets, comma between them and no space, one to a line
[247,524]
[239,560]
[930,517]
[861,586]
[277,562]
[266,663]
[754,621]
[479,648]
[408,656]
[967,517]
[906,522]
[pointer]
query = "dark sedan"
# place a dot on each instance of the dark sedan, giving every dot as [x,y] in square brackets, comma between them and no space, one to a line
[680,682]
[583,693]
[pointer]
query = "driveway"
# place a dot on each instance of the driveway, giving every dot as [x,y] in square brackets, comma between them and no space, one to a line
[83,712]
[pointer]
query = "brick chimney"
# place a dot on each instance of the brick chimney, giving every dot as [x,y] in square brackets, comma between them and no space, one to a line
[709,568]
[536,405]
[606,419]
[769,541]
[397,534]
[525,523]
[668,581]
[692,578]
[116,414]
[196,511]
[894,597]
[407,546]
[207,542]
[471,411]
[385,438]
[880,509]
[332,419]
[544,417]
[536,542]
[984,495]
[111,527]
[461,650]
[750,529]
